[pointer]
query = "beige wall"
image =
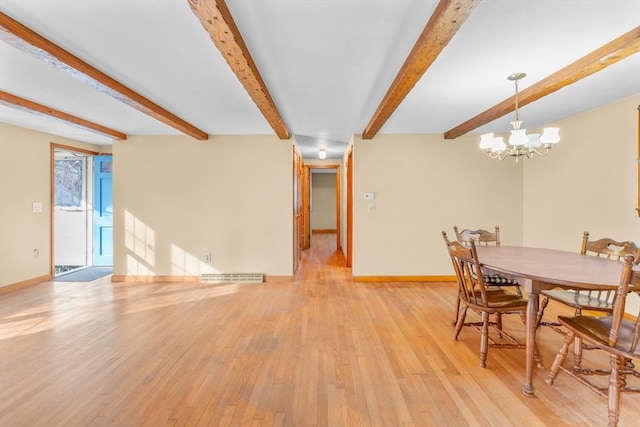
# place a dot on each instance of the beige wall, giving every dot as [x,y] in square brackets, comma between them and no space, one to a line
[424,184]
[593,178]
[589,182]
[25,177]
[323,201]
[176,198]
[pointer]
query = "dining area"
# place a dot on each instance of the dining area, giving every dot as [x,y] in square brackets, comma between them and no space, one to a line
[596,283]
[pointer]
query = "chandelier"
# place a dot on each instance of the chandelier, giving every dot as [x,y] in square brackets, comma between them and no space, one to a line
[520,143]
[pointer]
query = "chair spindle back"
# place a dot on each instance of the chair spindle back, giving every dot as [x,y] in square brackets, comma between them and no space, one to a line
[607,248]
[479,237]
[471,285]
[629,283]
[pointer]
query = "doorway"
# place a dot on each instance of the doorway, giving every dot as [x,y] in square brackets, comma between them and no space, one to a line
[321,202]
[80,233]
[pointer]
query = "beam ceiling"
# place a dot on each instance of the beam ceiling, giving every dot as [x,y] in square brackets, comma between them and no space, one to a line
[21,37]
[612,52]
[216,18]
[444,23]
[14,101]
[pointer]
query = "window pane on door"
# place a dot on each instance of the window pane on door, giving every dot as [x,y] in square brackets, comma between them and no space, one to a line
[68,188]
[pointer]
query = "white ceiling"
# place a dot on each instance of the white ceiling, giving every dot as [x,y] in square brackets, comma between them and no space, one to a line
[326,63]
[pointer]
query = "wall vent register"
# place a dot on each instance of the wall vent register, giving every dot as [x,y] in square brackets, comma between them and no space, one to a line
[232,278]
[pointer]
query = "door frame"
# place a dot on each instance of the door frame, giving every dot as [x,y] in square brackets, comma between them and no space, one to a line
[298,243]
[52,195]
[349,196]
[306,209]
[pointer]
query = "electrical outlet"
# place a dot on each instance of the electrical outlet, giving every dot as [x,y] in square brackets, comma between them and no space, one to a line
[206,257]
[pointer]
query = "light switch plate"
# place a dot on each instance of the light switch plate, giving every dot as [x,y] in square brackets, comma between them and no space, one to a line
[368,196]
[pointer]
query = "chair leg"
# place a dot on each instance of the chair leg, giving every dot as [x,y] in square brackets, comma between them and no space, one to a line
[523,317]
[462,315]
[577,354]
[537,356]
[455,321]
[484,340]
[577,349]
[543,304]
[499,324]
[519,291]
[560,358]
[616,380]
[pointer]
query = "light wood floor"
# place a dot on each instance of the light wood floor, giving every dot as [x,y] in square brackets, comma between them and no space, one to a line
[317,351]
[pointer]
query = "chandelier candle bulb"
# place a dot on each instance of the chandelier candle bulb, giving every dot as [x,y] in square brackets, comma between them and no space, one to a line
[550,136]
[486,141]
[498,145]
[533,141]
[518,137]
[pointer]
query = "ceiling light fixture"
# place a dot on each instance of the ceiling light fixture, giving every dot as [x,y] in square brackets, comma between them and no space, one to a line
[322,154]
[520,144]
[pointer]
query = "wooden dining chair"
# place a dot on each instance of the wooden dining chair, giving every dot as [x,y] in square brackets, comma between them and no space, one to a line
[480,237]
[473,293]
[594,300]
[486,238]
[615,334]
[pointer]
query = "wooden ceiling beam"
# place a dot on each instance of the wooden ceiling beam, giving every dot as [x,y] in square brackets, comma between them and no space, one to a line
[444,23]
[216,19]
[612,52]
[17,102]
[42,49]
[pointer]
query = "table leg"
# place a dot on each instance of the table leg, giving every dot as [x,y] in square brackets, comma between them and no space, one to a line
[532,315]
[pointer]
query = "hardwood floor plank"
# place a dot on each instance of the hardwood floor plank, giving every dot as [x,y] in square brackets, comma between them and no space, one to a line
[318,350]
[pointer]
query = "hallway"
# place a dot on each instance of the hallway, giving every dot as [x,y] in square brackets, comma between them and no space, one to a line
[323,252]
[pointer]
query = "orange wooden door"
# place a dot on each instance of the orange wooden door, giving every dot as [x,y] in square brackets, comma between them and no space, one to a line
[297,208]
[349,179]
[306,208]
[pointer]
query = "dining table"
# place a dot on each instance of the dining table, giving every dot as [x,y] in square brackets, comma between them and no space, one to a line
[536,269]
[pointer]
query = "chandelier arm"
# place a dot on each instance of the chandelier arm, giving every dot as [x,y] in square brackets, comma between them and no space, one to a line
[541,153]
